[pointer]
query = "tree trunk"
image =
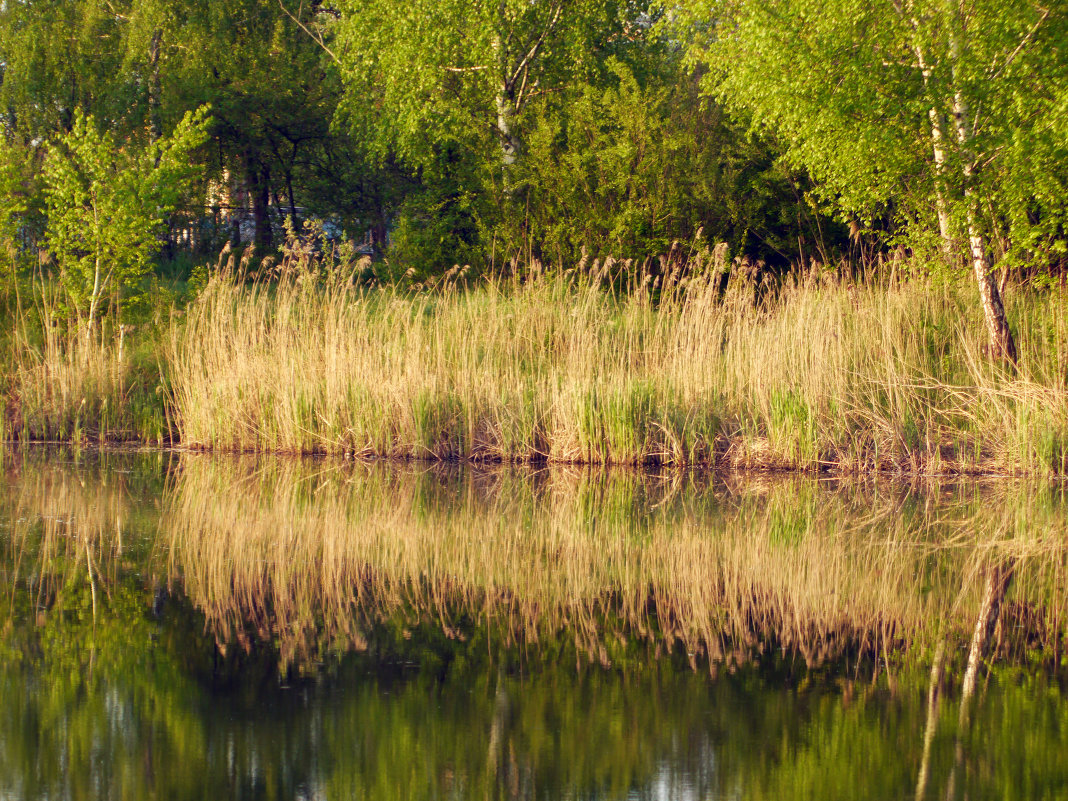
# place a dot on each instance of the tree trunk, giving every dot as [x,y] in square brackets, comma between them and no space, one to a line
[998,579]
[938,128]
[155,92]
[944,228]
[379,236]
[259,188]
[236,205]
[292,202]
[506,133]
[1002,344]
[504,105]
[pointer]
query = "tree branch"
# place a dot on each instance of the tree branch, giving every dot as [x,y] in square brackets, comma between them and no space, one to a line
[525,62]
[317,39]
[1021,45]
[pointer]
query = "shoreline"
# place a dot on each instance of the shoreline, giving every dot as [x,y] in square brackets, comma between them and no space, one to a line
[722,466]
[827,379]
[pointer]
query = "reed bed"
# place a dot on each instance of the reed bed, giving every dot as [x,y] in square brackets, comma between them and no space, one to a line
[314,557]
[67,384]
[811,373]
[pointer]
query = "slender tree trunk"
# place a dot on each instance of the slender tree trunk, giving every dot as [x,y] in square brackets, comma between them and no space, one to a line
[1002,344]
[94,299]
[155,91]
[944,228]
[379,235]
[236,205]
[292,200]
[504,105]
[938,127]
[506,133]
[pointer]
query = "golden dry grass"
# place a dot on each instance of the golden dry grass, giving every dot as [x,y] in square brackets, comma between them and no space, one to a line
[814,373]
[66,385]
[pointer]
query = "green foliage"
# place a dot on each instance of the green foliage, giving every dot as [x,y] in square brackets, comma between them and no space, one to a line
[15,200]
[629,166]
[898,109]
[439,71]
[106,204]
[437,224]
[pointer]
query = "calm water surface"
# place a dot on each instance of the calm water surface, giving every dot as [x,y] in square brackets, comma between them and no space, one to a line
[177,626]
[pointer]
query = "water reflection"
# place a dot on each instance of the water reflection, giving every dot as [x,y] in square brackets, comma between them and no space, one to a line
[313,555]
[189,627]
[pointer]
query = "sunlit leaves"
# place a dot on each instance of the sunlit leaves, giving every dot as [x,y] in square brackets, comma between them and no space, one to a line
[106,203]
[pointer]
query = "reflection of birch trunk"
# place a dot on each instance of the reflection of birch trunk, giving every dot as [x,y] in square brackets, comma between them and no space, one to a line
[998,579]
[934,694]
[497,758]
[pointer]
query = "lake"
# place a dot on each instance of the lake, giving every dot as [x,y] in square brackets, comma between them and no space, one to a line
[179,625]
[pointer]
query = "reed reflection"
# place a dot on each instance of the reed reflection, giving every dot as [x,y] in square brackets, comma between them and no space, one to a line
[315,554]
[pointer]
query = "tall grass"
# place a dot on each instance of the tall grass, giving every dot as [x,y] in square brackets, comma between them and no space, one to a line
[69,383]
[814,373]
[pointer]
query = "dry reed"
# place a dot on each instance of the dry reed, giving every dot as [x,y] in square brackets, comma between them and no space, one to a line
[814,373]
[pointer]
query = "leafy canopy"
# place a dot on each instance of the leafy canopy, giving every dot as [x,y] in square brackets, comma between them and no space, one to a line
[106,205]
[852,87]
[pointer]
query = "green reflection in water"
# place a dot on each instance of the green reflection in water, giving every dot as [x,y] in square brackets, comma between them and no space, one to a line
[114,687]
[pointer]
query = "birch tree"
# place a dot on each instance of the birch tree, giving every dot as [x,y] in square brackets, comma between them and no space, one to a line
[106,205]
[464,71]
[926,109]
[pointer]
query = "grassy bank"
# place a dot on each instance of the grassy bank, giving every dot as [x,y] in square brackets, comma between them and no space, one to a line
[813,373]
[818,373]
[64,382]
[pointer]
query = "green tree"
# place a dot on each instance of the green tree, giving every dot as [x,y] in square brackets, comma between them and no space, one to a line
[466,71]
[106,205]
[273,90]
[436,81]
[924,110]
[59,56]
[629,167]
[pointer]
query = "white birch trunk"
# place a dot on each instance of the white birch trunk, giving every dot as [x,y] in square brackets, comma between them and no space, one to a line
[1002,344]
[939,152]
[944,229]
[506,129]
[938,126]
[504,105]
